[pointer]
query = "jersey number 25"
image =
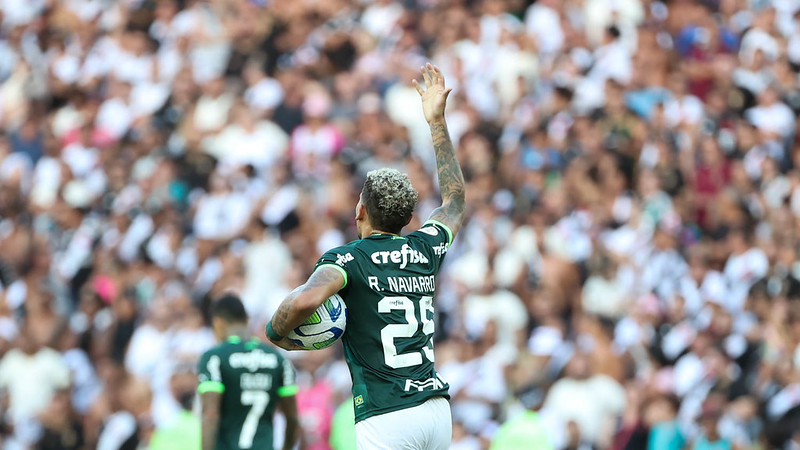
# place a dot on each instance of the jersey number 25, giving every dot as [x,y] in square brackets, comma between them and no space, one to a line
[406,330]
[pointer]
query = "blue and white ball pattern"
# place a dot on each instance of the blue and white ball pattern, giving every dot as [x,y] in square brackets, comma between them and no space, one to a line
[324,327]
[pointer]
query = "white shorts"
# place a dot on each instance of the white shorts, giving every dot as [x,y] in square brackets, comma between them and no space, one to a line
[428,426]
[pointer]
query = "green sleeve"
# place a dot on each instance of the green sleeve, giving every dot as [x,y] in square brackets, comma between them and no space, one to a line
[446,229]
[209,373]
[288,386]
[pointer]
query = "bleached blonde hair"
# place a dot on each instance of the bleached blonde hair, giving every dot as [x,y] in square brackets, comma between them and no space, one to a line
[389,198]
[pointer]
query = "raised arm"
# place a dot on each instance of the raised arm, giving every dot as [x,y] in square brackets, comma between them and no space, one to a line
[301,303]
[451,180]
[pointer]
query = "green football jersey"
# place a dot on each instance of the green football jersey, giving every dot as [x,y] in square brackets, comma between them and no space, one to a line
[250,376]
[389,287]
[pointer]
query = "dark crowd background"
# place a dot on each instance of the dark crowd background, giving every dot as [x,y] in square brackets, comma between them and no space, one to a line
[627,276]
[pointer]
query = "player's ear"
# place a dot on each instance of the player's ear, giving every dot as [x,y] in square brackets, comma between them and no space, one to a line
[218,325]
[361,211]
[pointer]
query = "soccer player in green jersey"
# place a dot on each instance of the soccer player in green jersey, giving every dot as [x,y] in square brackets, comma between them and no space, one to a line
[388,283]
[241,383]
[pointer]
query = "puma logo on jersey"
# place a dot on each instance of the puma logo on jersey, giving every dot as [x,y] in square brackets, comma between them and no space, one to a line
[431,383]
[342,259]
[405,256]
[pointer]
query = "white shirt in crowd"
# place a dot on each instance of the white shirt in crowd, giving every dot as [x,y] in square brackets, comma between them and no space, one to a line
[742,271]
[662,271]
[85,384]
[264,290]
[543,23]
[222,216]
[235,147]
[80,159]
[20,12]
[776,118]
[380,18]
[599,14]
[591,403]
[148,347]
[758,39]
[114,117]
[501,306]
[267,94]
[401,105]
[686,110]
[32,380]
[612,61]
[211,114]
[476,384]
[569,238]
[713,287]
[605,297]
[117,429]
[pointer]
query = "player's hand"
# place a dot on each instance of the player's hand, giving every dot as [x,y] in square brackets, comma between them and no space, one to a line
[434,95]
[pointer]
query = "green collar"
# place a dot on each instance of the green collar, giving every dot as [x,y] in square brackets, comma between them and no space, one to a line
[251,343]
[385,235]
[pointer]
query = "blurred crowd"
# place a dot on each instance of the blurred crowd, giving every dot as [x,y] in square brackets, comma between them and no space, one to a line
[627,275]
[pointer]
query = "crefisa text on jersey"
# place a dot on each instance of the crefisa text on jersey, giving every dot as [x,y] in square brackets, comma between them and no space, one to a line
[405,256]
[254,360]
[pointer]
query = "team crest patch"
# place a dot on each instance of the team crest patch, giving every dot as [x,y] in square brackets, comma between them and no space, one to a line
[359,400]
[430,230]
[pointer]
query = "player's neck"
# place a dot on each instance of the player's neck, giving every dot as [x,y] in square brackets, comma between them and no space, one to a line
[239,331]
[365,230]
[375,232]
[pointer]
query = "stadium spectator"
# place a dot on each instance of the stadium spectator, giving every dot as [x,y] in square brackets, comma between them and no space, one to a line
[632,227]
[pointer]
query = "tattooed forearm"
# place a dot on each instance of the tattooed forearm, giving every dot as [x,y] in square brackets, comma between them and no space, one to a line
[449,214]
[451,180]
[283,315]
[303,301]
[323,277]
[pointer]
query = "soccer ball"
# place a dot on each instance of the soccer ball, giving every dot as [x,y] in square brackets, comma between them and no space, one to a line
[324,327]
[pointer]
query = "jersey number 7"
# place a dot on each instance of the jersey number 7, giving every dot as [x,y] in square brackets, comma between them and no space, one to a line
[258,401]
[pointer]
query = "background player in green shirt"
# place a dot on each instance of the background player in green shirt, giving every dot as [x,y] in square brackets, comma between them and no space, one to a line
[241,382]
[388,283]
